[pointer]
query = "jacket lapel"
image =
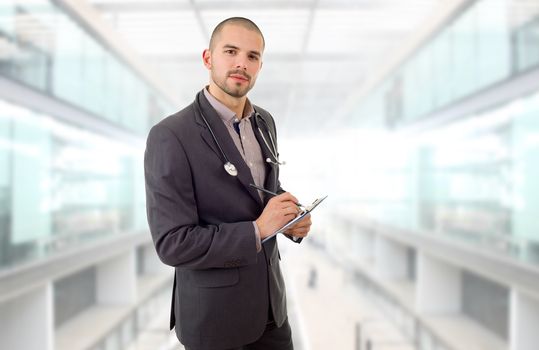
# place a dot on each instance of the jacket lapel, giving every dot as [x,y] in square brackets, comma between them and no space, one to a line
[227,144]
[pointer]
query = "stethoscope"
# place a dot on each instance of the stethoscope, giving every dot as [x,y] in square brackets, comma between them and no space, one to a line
[231,168]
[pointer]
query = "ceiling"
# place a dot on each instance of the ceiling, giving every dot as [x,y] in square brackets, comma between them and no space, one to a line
[316,50]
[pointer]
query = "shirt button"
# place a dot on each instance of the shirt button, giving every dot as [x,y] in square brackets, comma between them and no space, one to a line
[243,137]
[251,164]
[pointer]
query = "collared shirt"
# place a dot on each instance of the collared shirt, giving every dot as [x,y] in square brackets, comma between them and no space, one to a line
[245,142]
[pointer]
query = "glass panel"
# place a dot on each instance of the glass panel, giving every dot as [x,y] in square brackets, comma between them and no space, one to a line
[469,54]
[60,184]
[443,69]
[473,179]
[90,177]
[26,33]
[411,93]
[463,59]
[467,184]
[75,185]
[68,62]
[7,16]
[93,73]
[5,184]
[31,187]
[525,138]
[43,47]
[493,49]
[527,49]
[113,102]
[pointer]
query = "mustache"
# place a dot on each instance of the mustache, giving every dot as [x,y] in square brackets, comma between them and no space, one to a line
[239,72]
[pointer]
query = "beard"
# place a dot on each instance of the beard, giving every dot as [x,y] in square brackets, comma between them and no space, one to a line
[233,89]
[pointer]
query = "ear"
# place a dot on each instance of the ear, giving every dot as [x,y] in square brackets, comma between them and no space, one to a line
[206,58]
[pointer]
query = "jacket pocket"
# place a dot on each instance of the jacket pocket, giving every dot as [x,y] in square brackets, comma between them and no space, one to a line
[213,278]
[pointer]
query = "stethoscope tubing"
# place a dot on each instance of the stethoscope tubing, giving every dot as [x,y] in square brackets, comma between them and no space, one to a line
[229,167]
[273,148]
[211,131]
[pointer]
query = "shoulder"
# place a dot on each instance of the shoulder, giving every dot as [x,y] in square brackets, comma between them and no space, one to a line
[179,120]
[178,124]
[268,118]
[264,113]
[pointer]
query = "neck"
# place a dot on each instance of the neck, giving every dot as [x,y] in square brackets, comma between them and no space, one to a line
[236,104]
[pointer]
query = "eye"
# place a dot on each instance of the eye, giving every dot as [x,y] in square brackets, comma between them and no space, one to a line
[230,51]
[253,57]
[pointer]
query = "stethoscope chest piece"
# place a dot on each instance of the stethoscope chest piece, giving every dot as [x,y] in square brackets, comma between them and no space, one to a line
[231,169]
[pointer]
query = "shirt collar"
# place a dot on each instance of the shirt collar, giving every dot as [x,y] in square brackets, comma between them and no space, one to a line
[225,113]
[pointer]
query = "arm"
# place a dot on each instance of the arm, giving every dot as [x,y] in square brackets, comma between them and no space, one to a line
[173,217]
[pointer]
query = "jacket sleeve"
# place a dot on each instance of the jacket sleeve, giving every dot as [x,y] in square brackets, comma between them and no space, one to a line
[179,239]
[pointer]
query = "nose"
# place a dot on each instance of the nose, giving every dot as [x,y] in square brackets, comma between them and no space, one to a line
[241,62]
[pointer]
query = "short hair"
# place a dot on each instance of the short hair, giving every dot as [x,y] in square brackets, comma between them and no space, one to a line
[242,21]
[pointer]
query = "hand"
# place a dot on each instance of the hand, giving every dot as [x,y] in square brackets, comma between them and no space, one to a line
[301,228]
[279,210]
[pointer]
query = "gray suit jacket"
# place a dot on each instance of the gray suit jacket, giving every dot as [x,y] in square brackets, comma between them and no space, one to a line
[200,219]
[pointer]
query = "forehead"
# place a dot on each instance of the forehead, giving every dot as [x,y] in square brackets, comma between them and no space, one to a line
[240,36]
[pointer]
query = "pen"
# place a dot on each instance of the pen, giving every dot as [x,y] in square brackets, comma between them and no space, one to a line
[270,192]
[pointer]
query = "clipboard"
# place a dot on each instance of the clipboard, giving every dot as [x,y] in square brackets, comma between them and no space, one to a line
[300,217]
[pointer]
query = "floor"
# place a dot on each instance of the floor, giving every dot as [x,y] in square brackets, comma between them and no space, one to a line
[326,310]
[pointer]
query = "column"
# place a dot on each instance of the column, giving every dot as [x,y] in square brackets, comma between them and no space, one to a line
[523,321]
[26,321]
[117,280]
[438,287]
[391,259]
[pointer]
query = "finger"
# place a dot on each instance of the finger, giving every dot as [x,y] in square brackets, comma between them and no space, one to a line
[293,208]
[290,204]
[300,226]
[287,196]
[306,220]
[295,226]
[299,230]
[289,211]
[303,223]
[299,233]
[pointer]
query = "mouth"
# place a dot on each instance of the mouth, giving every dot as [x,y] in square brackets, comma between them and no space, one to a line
[239,77]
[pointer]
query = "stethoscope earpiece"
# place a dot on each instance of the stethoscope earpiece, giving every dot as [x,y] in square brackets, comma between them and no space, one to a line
[268,160]
[273,148]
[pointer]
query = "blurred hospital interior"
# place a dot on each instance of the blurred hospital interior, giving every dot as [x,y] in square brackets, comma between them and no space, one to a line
[418,118]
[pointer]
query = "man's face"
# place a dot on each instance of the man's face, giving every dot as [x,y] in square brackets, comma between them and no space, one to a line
[235,59]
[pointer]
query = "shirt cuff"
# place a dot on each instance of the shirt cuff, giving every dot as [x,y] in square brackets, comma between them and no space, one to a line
[257,235]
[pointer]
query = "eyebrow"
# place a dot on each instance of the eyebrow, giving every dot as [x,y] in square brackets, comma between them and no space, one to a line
[230,46]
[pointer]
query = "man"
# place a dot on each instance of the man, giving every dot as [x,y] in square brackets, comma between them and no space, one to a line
[205,217]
